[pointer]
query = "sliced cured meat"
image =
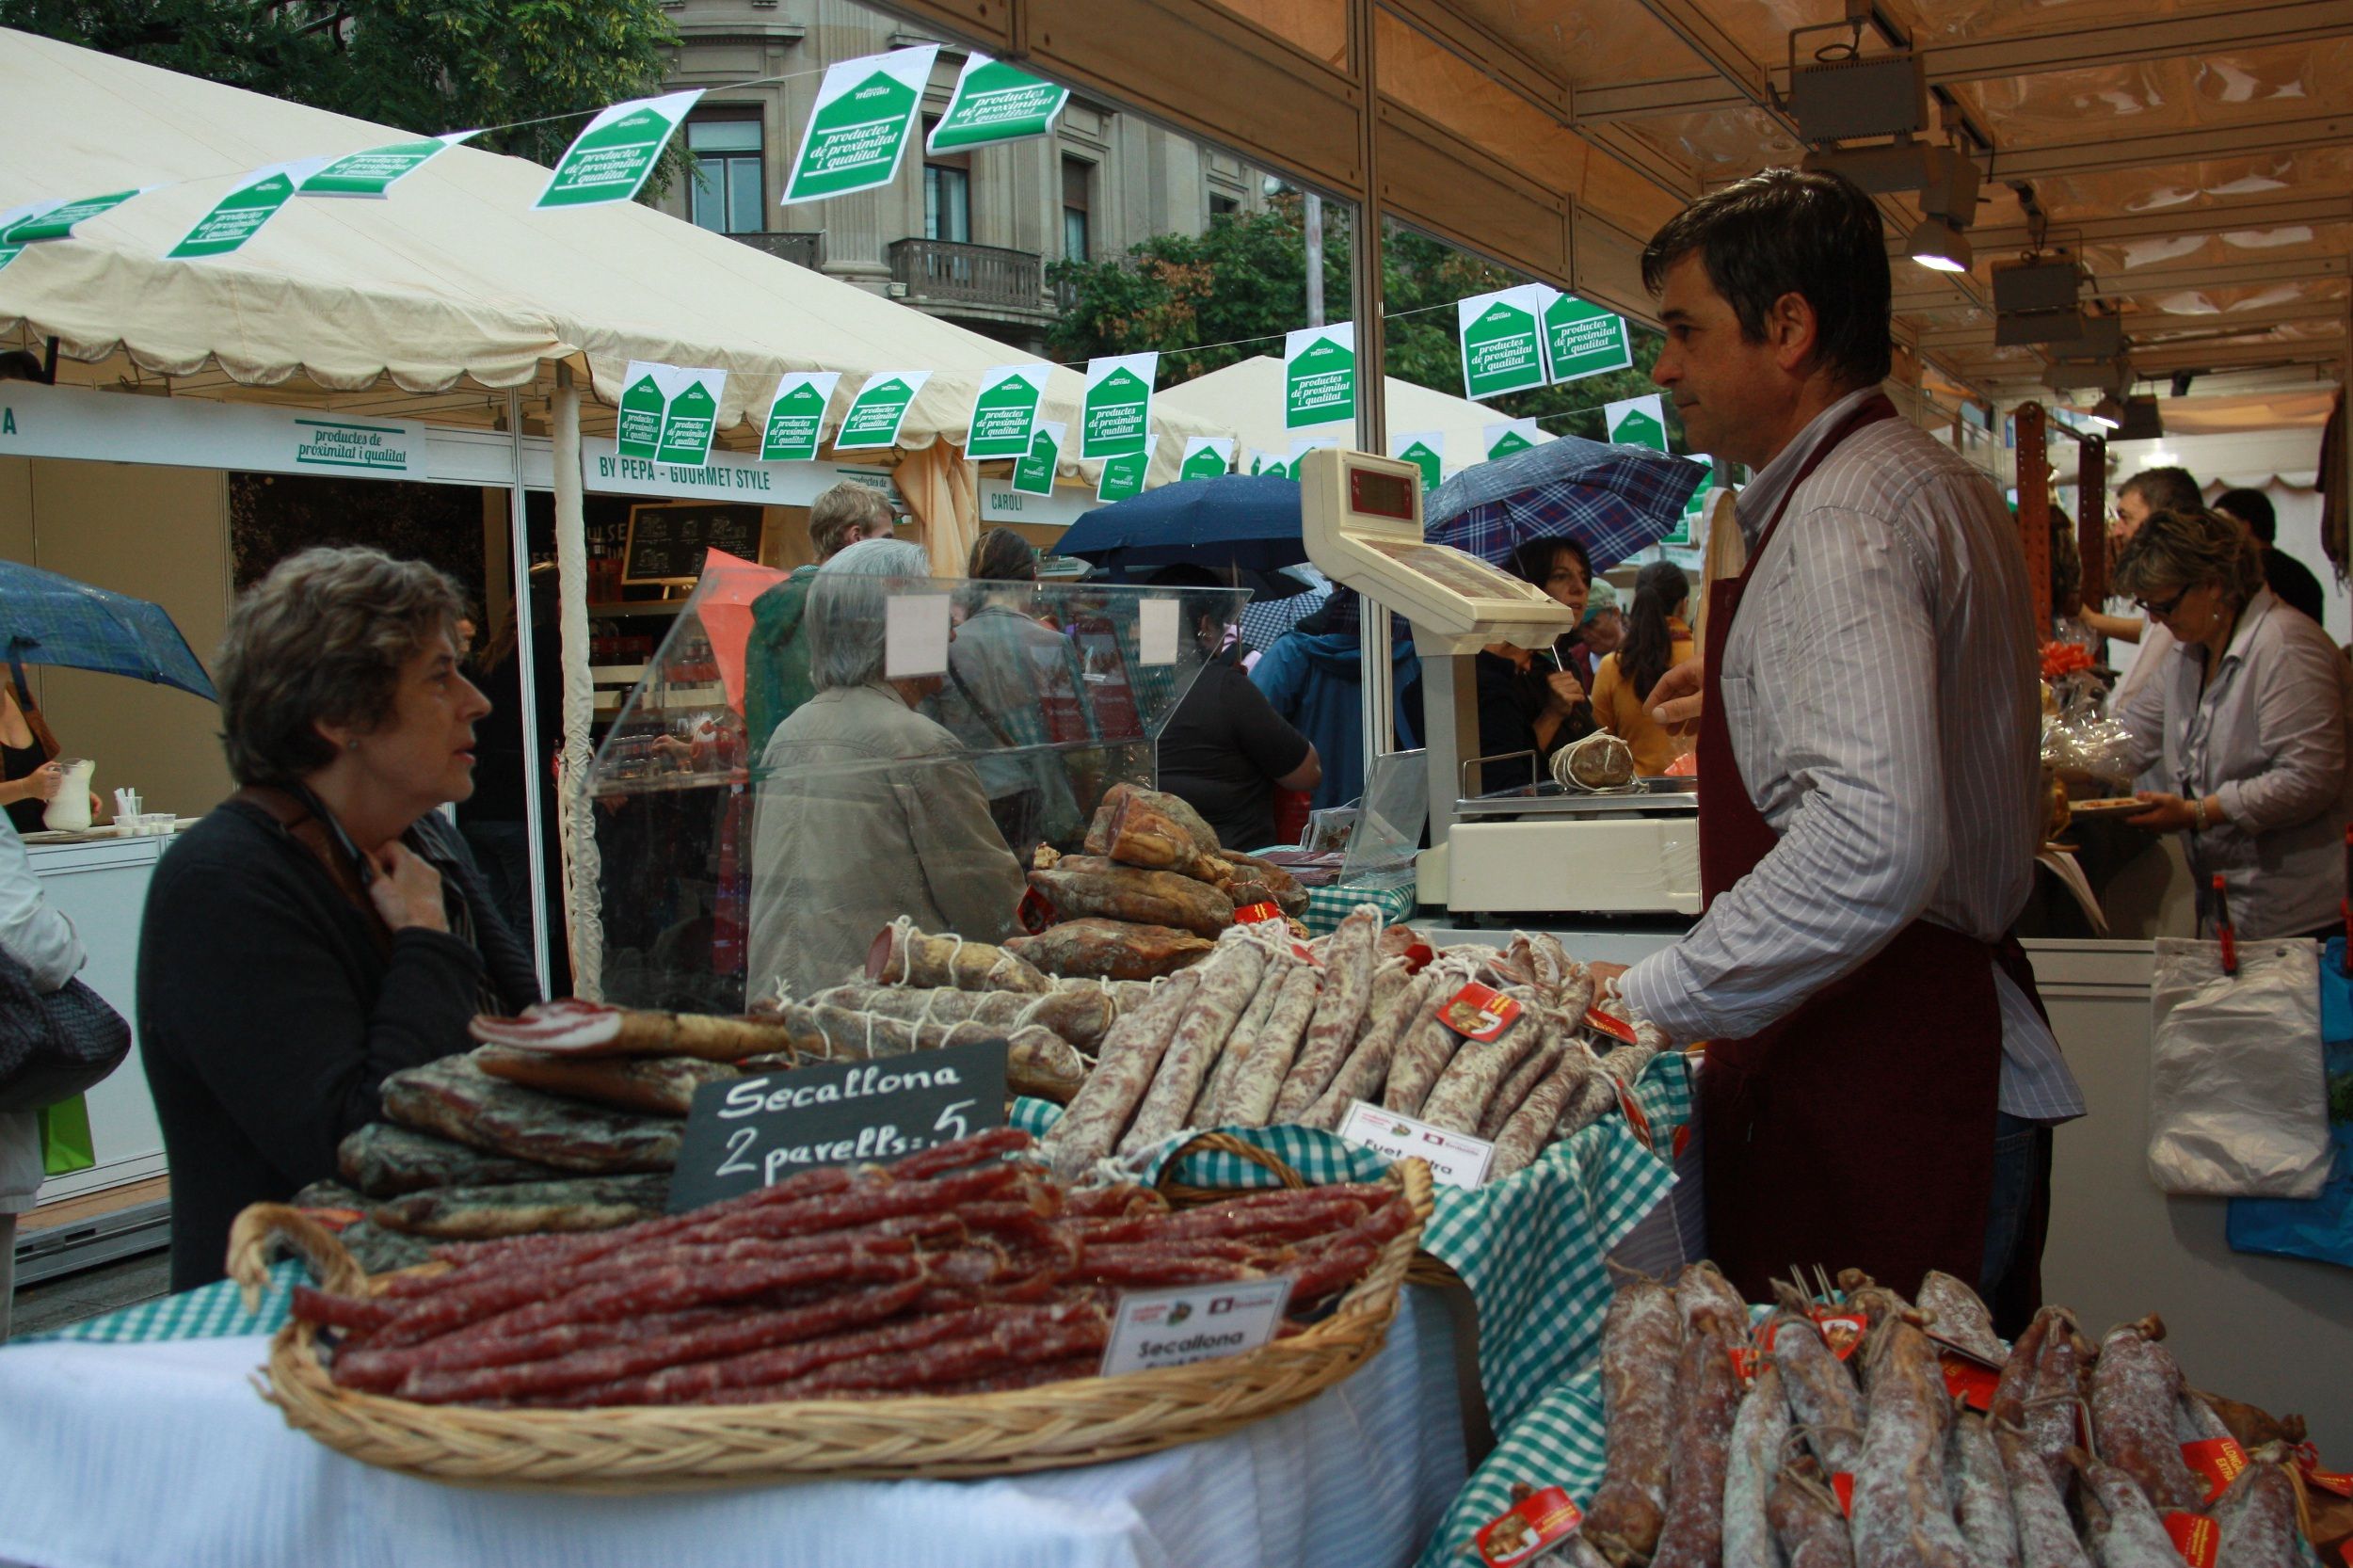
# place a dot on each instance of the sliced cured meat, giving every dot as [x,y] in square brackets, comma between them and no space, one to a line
[574,1027]
[1094,948]
[655,1085]
[1079,886]
[458,1100]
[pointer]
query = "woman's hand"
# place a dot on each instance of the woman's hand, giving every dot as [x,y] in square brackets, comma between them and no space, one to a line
[2165,813]
[42,783]
[1562,691]
[408,893]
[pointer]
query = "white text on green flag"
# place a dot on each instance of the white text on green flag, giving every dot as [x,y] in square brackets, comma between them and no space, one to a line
[239,216]
[857,129]
[610,159]
[1206,457]
[1035,474]
[1506,437]
[1502,341]
[796,416]
[1636,422]
[1123,476]
[1581,339]
[1319,375]
[875,413]
[668,412]
[995,103]
[1425,450]
[1118,405]
[10,249]
[374,171]
[55,221]
[1004,410]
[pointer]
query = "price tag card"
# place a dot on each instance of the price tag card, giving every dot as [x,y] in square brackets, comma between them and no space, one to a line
[1523,1532]
[915,635]
[1156,630]
[753,1132]
[1455,1158]
[1193,1323]
[2219,1460]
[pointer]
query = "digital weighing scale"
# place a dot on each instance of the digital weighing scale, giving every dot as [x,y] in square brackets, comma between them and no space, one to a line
[1535,850]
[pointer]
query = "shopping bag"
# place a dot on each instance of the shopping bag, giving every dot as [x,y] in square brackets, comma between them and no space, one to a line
[65,1140]
[2320,1228]
[2238,1098]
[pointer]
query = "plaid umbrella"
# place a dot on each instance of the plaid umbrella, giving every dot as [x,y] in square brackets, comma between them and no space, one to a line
[1612,500]
[49,619]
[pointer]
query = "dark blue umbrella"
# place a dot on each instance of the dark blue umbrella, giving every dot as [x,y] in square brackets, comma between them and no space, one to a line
[1613,500]
[1238,520]
[49,619]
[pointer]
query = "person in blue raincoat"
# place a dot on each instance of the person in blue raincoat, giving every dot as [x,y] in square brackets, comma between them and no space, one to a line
[1313,675]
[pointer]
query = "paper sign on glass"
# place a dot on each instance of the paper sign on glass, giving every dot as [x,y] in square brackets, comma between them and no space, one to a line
[858,130]
[1319,375]
[55,220]
[1502,341]
[1505,437]
[1035,474]
[1118,404]
[1156,630]
[1581,339]
[796,416]
[1426,451]
[995,103]
[1207,458]
[915,635]
[1004,410]
[1187,1324]
[610,160]
[237,217]
[1123,476]
[879,409]
[375,170]
[1636,422]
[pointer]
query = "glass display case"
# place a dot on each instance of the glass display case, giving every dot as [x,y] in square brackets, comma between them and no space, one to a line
[809,757]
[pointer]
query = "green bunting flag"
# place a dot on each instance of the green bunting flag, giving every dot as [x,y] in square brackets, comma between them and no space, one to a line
[1035,474]
[1118,412]
[11,249]
[1425,450]
[1502,341]
[1685,533]
[875,413]
[1319,375]
[1123,476]
[858,130]
[995,103]
[55,220]
[668,412]
[1004,412]
[1636,422]
[610,159]
[796,416]
[239,216]
[374,171]
[1509,436]
[1207,458]
[1582,339]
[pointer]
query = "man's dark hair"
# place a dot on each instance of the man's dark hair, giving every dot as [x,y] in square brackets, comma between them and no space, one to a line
[2254,509]
[1784,231]
[2166,489]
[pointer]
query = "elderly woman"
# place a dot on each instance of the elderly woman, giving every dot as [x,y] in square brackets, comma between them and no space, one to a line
[868,810]
[2249,718]
[323,927]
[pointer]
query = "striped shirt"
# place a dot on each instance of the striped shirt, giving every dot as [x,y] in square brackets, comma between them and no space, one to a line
[1881,692]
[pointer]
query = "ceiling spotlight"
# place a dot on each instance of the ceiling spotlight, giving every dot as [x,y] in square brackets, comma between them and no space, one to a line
[1937,245]
[2108,412]
[2142,421]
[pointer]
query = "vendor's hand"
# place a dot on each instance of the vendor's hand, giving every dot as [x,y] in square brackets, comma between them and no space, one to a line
[1674,702]
[2165,813]
[44,782]
[1563,692]
[408,893]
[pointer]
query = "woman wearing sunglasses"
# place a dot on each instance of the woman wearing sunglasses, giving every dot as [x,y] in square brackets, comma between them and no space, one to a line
[2249,718]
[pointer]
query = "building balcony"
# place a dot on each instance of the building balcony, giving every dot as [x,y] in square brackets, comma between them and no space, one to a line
[801,250]
[942,273]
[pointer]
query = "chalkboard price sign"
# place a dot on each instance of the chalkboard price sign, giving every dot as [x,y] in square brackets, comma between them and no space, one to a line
[752,1132]
[666,543]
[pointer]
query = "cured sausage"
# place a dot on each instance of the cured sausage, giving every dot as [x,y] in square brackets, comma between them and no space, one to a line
[902,955]
[1955,1313]
[1259,1081]
[1228,980]
[1079,886]
[459,1101]
[1822,1393]
[1459,1098]
[1041,1063]
[1708,1402]
[576,1028]
[1098,1113]
[1095,949]
[1152,829]
[1640,1344]
[1973,1474]
[1707,1300]
[2136,1388]
[1758,1434]
[1524,1078]
[1250,872]
[2046,1537]
[1361,1076]
[1427,1045]
[2126,1531]
[1079,1014]
[1901,1516]
[1523,1137]
[655,1085]
[383,1161]
[1807,1522]
[2257,1516]
[526,1207]
[1216,1089]
[1348,964]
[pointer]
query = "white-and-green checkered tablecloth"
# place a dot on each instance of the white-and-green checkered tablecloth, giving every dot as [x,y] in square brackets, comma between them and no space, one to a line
[1328,906]
[215,1311]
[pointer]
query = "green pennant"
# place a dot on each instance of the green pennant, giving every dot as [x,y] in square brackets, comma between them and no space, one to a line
[879,409]
[1035,474]
[639,432]
[688,425]
[797,417]
[1004,412]
[1204,461]
[610,159]
[1502,345]
[237,217]
[1118,407]
[1432,463]
[857,131]
[1319,375]
[1123,476]
[374,171]
[1583,339]
[995,103]
[59,221]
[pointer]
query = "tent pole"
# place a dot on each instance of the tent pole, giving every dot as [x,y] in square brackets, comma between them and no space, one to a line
[584,880]
[519,536]
[1379,674]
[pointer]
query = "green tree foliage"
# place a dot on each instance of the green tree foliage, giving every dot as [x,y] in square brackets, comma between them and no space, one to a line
[427,66]
[1210,300]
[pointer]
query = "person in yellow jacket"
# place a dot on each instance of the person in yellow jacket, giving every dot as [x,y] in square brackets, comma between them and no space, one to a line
[1657,638]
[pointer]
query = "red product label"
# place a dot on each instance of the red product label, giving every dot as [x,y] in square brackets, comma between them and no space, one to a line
[1250,914]
[1971,1382]
[1842,1485]
[1300,950]
[1479,1012]
[2308,1461]
[1683,1139]
[1843,1331]
[1527,1528]
[1035,913]
[1634,1117]
[2217,1459]
[2195,1537]
[1744,1362]
[1610,1024]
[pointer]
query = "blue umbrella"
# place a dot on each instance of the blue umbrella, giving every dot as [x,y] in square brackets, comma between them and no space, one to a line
[49,619]
[1236,519]
[1612,500]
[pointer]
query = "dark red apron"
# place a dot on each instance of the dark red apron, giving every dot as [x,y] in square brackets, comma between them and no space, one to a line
[1857,1131]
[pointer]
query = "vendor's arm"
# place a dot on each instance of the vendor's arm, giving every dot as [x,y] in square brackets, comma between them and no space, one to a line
[2124,629]
[975,881]
[1857,718]
[31,929]
[2300,716]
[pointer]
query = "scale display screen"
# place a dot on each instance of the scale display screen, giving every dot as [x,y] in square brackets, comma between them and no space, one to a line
[1382,495]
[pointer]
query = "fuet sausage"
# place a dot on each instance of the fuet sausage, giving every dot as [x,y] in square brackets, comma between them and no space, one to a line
[1367,1066]
[2135,1389]
[1821,1392]
[1707,1401]
[2258,1519]
[1427,1045]
[1229,978]
[2046,1538]
[1523,1136]
[1218,1086]
[1459,1098]
[1973,1474]
[1098,1112]
[1758,1434]
[1258,1083]
[1806,1521]
[2126,1531]
[1901,1516]
[1640,1348]
[1348,962]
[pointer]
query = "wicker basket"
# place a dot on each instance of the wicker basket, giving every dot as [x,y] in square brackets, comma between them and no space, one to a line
[669,1447]
[1424,1270]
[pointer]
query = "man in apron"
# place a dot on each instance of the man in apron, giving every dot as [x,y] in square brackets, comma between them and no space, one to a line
[1881,1082]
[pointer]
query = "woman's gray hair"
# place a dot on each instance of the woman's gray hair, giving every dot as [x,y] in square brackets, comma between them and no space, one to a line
[322,640]
[846,609]
[2187,548]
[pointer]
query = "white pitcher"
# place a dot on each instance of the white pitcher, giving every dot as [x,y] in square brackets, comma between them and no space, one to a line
[69,809]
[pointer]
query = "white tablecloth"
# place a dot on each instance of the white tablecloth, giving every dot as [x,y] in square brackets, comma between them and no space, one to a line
[139,1456]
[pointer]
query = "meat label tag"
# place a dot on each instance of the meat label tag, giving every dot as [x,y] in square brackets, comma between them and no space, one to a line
[1842,1485]
[1455,1158]
[1610,1024]
[1479,1012]
[1250,914]
[1843,1331]
[2195,1536]
[1530,1525]
[1035,912]
[1745,1361]
[1635,1119]
[1969,1381]
[2308,1461]
[1193,1323]
[2217,1459]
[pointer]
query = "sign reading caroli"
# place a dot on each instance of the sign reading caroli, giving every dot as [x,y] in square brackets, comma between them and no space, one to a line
[610,160]
[796,416]
[1206,457]
[1003,409]
[1319,375]
[1118,409]
[1035,474]
[374,171]
[1425,450]
[857,129]
[878,410]
[668,413]
[238,217]
[1502,341]
[996,102]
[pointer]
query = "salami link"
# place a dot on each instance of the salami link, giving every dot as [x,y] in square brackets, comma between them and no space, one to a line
[1079,1014]
[1040,1063]
[1011,1335]
[652,1085]
[902,955]
[1707,1300]
[1098,1113]
[1902,1516]
[1367,1069]
[1981,1493]
[1427,1046]
[1459,1098]
[2046,1537]
[1514,1089]
[706,1380]
[1523,1137]
[2257,1516]
[1217,1090]
[1079,886]
[2126,1531]
[1956,1314]
[383,1161]
[2135,1389]
[1098,948]
[1708,1402]
[459,1101]
[1640,1342]
[1807,1526]
[1259,1081]
[1821,1392]
[1758,1434]
[1229,981]
[1594,1097]
[1349,964]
